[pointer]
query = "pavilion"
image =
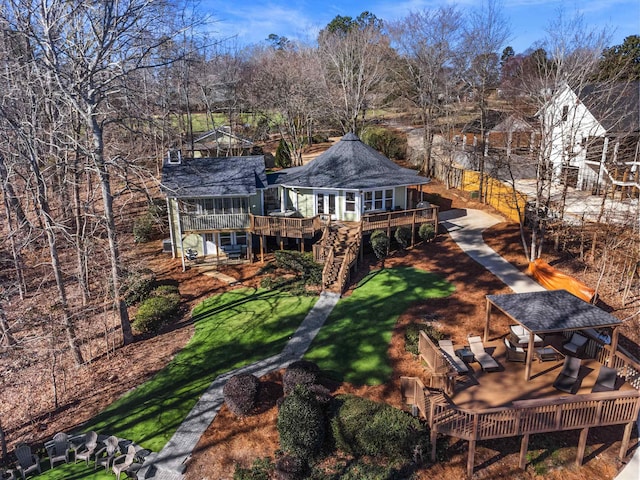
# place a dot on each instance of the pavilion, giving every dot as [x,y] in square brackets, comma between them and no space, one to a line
[551,311]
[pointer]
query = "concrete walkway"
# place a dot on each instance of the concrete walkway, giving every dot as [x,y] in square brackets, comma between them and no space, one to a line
[465,228]
[170,462]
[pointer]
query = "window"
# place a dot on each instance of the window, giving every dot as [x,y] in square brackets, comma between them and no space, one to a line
[241,238]
[565,113]
[350,202]
[378,200]
[225,239]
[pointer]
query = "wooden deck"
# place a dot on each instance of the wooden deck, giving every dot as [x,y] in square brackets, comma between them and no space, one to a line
[480,390]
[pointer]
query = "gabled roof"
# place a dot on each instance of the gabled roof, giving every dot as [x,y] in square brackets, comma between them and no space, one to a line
[616,107]
[214,135]
[214,177]
[349,164]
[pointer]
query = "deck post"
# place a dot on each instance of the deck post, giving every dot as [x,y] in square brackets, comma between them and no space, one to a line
[529,358]
[614,347]
[413,229]
[625,440]
[582,443]
[471,457]
[486,324]
[524,446]
[434,436]
[261,248]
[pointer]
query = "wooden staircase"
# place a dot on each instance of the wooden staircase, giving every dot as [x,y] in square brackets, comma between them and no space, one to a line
[342,244]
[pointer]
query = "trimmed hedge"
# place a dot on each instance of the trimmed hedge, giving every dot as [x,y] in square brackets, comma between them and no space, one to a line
[363,427]
[380,244]
[301,424]
[403,237]
[138,284]
[157,310]
[427,232]
[301,372]
[241,393]
[289,467]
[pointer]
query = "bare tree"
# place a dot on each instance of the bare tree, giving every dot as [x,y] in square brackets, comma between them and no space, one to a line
[485,34]
[90,50]
[427,42]
[354,54]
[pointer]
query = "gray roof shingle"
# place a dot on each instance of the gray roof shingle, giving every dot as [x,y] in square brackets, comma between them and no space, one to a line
[214,177]
[552,311]
[349,164]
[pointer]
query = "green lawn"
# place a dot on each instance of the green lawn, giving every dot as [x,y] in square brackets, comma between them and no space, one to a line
[352,345]
[71,471]
[231,330]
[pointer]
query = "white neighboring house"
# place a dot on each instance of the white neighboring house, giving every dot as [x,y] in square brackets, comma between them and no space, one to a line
[590,136]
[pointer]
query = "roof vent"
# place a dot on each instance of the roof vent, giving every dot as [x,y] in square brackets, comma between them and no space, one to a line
[174,157]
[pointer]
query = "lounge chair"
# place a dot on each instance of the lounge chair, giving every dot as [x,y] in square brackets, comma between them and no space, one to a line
[515,354]
[449,352]
[125,463]
[567,379]
[106,454]
[28,462]
[58,449]
[486,361]
[87,448]
[576,344]
[606,381]
[520,337]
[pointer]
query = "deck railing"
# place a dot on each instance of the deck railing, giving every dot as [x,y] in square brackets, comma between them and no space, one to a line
[388,220]
[286,226]
[350,257]
[524,418]
[627,367]
[232,221]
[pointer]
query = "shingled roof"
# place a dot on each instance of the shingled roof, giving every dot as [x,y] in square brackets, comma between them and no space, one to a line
[214,177]
[349,164]
[616,107]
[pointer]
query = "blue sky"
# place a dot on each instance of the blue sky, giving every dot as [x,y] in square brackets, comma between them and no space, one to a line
[253,20]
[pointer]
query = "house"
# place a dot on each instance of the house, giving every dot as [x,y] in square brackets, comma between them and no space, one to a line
[591,136]
[222,208]
[220,142]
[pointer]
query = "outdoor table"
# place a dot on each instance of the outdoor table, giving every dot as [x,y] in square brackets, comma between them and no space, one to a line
[465,355]
[547,354]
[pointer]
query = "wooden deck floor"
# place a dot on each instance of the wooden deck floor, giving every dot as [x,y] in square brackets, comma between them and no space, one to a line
[479,389]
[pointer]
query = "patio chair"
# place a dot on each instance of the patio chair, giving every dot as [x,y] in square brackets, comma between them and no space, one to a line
[606,381]
[106,454]
[515,354]
[576,344]
[447,348]
[567,379]
[7,474]
[486,361]
[28,462]
[58,449]
[87,448]
[519,337]
[125,463]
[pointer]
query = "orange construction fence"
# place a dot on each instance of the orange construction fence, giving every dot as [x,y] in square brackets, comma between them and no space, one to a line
[553,279]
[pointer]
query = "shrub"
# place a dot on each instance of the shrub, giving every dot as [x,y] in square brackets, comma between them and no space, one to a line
[283,154]
[301,372]
[143,228]
[260,470]
[391,144]
[241,393]
[155,312]
[170,291]
[427,232]
[289,467]
[138,285]
[380,244]
[403,237]
[411,336]
[301,424]
[363,427]
[300,263]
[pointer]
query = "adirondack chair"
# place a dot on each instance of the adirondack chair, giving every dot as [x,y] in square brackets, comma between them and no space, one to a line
[7,474]
[125,463]
[28,462]
[86,450]
[106,454]
[58,449]
[606,381]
